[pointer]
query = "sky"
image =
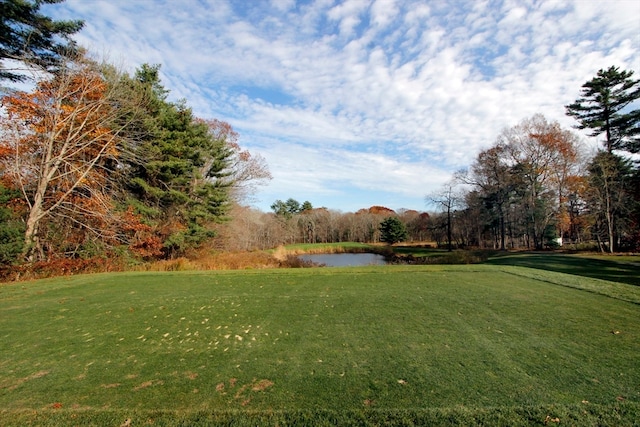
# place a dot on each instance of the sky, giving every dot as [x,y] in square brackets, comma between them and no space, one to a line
[359,103]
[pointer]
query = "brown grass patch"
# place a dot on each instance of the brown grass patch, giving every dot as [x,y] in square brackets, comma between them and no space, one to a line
[147,384]
[21,381]
[114,385]
[217,261]
[261,385]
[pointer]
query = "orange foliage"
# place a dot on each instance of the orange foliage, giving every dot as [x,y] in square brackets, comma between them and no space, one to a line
[143,242]
[58,138]
[381,210]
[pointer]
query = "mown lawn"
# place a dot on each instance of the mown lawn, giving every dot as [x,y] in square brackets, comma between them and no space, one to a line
[389,345]
[624,269]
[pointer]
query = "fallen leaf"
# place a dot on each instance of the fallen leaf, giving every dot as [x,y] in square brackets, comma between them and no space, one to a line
[403,382]
[126,423]
[549,419]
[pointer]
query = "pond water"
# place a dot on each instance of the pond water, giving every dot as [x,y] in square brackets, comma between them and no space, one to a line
[344,260]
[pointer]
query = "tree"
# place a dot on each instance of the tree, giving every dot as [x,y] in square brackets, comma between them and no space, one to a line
[543,155]
[392,230]
[11,226]
[26,35]
[245,170]
[184,171]
[494,178]
[447,199]
[61,141]
[602,109]
[287,209]
[608,196]
[522,183]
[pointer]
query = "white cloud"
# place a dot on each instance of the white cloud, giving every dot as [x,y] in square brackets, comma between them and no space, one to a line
[367,93]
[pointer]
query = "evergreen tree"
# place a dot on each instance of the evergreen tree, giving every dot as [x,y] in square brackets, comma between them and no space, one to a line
[11,227]
[602,108]
[178,177]
[28,35]
[393,230]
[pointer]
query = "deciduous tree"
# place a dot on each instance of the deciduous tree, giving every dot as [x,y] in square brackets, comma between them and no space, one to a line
[447,199]
[61,140]
[608,196]
[245,171]
[543,155]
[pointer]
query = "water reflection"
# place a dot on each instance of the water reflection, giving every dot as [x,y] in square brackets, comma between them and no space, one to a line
[344,260]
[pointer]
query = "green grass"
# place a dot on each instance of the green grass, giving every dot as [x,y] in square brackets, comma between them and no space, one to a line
[393,345]
[624,269]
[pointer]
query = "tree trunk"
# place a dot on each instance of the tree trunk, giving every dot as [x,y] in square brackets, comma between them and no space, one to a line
[31,241]
[502,228]
[609,217]
[449,227]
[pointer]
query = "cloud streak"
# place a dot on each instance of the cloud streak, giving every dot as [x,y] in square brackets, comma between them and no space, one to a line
[358,102]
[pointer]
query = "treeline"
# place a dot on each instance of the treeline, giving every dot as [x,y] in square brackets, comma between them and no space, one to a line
[97,163]
[251,229]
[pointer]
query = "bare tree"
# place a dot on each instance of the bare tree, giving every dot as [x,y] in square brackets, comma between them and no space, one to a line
[66,138]
[447,198]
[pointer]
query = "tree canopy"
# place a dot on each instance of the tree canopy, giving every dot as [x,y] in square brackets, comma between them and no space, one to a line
[101,159]
[26,35]
[392,230]
[602,109]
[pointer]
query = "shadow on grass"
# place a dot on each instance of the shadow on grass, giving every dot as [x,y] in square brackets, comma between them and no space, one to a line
[623,272]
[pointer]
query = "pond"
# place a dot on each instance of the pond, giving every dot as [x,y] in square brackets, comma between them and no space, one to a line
[344,260]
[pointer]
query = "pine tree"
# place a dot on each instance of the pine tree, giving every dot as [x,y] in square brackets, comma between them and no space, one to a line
[26,35]
[602,108]
[393,230]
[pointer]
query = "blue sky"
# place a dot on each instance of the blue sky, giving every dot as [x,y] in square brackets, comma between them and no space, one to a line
[359,103]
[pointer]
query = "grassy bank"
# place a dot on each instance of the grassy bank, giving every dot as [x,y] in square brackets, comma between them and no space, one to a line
[390,345]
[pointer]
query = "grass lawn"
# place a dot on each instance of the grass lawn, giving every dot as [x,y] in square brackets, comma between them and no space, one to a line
[387,345]
[624,269]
